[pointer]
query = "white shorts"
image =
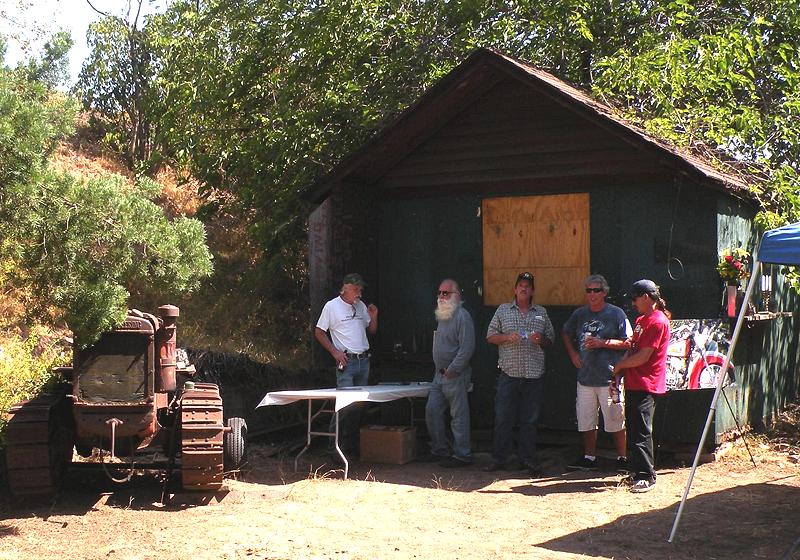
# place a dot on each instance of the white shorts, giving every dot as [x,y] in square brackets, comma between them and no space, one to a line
[586,404]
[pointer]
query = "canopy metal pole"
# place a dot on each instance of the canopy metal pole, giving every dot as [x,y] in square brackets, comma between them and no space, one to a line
[713,407]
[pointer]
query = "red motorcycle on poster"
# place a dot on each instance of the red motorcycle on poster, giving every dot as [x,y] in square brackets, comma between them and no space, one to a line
[696,354]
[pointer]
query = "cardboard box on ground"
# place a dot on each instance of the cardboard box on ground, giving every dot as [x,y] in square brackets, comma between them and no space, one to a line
[395,445]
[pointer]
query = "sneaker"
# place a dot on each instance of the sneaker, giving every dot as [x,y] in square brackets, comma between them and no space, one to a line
[533,470]
[454,463]
[622,465]
[583,464]
[642,485]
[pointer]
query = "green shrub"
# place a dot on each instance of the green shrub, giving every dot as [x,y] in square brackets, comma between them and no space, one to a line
[26,366]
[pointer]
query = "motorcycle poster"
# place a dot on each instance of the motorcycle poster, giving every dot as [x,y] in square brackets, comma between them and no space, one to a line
[696,353]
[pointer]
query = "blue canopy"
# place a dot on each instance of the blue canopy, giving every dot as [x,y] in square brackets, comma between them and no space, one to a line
[781,245]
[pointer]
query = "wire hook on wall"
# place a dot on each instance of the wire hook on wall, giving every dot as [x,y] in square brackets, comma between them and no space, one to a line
[670,258]
[672,275]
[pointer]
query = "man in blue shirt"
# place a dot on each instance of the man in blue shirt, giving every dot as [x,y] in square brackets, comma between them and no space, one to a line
[596,336]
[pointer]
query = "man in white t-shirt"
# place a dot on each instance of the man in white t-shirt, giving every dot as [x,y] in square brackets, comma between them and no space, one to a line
[348,320]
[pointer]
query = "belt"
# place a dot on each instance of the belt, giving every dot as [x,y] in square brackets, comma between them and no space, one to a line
[364,354]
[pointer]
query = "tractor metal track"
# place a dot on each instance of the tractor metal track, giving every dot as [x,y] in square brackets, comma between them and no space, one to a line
[38,446]
[202,432]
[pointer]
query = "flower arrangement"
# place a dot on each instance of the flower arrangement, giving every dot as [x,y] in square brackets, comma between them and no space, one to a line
[734,265]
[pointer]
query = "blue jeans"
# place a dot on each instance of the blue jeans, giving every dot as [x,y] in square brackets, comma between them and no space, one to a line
[519,401]
[355,373]
[449,394]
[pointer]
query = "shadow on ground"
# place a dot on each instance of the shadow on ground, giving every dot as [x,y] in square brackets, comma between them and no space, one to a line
[82,491]
[745,522]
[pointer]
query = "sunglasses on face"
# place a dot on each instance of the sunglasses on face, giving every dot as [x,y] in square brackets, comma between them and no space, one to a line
[594,290]
[444,293]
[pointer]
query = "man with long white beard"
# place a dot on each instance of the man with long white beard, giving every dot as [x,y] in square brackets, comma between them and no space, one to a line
[453,345]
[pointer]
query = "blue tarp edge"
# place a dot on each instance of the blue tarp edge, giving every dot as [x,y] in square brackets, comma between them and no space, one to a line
[781,245]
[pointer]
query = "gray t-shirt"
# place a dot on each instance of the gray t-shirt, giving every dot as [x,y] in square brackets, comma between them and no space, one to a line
[609,322]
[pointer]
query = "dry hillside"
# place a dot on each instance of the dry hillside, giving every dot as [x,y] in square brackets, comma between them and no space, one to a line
[222,305]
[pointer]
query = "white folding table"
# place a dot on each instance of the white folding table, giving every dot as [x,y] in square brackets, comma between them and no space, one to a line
[341,398]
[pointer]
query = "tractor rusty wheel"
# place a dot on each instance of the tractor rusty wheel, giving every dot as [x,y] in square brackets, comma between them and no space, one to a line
[39,440]
[201,438]
[235,445]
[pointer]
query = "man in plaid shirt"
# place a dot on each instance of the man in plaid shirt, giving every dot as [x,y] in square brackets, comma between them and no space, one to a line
[521,330]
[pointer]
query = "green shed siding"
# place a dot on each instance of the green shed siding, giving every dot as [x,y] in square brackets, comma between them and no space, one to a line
[423,240]
[662,231]
[766,357]
[511,139]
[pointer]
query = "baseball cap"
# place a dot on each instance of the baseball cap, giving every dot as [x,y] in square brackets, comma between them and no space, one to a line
[527,276]
[355,279]
[642,287]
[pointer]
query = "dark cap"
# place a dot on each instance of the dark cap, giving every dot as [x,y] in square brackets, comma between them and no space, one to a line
[641,288]
[355,279]
[527,276]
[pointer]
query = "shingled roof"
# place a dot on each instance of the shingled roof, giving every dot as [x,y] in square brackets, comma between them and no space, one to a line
[465,83]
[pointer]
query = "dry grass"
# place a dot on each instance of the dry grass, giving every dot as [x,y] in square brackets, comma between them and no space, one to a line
[779,445]
[784,433]
[179,195]
[82,154]
[12,308]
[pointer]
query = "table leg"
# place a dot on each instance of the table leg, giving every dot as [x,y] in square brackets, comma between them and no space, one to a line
[338,449]
[308,437]
[310,433]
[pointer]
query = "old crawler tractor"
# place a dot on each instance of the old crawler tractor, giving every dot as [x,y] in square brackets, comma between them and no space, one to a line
[129,402]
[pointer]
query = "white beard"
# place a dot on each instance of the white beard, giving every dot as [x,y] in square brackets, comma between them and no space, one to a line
[445,309]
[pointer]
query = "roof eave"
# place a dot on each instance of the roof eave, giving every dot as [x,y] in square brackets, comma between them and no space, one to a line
[559,91]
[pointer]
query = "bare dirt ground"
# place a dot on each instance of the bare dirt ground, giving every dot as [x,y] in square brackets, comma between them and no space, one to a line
[422,510]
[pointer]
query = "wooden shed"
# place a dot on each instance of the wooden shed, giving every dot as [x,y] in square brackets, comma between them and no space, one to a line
[501,168]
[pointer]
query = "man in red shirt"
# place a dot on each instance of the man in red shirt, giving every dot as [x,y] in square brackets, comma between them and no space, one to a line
[644,369]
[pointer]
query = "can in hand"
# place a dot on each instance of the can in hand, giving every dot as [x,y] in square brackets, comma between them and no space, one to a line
[614,391]
[613,387]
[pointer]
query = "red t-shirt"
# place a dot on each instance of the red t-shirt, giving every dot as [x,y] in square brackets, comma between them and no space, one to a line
[651,331]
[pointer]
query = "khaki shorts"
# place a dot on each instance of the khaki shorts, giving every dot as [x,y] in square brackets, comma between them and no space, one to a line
[587,402]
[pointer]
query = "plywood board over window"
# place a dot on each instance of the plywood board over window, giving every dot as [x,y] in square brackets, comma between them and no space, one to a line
[547,236]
